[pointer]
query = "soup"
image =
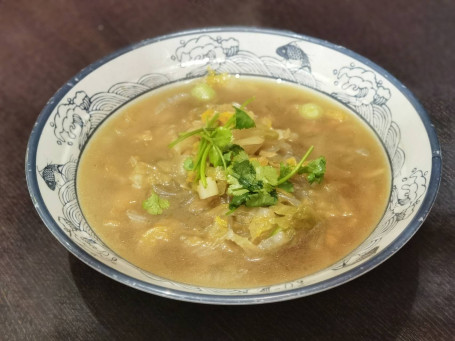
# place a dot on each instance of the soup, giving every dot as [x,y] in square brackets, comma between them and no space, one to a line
[188,183]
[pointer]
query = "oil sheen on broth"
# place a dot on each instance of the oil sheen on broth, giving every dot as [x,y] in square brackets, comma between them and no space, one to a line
[194,241]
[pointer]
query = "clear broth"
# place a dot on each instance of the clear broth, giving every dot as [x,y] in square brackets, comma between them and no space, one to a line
[351,200]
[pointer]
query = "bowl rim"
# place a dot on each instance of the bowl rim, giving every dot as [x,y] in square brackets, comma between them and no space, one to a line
[198,297]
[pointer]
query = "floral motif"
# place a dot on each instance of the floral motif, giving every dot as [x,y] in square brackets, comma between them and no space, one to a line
[360,90]
[225,55]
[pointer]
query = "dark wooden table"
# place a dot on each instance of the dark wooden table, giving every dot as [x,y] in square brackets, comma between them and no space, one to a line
[48,294]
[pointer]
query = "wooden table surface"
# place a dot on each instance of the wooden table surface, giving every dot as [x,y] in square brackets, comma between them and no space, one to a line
[48,294]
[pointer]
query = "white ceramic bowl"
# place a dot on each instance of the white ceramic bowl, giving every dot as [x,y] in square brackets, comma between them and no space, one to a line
[83,102]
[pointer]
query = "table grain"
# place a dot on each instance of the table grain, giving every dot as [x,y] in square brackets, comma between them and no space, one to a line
[48,294]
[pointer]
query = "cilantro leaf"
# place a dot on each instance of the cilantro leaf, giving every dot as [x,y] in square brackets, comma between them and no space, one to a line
[296,168]
[287,186]
[221,137]
[262,198]
[215,158]
[227,156]
[155,205]
[249,185]
[235,149]
[315,170]
[284,171]
[242,120]
[238,200]
[235,188]
[245,169]
[241,156]
[246,175]
[267,174]
[230,152]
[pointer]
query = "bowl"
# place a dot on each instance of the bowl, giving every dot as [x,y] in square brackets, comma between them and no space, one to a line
[75,110]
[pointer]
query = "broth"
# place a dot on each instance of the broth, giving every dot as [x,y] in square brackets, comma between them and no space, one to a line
[128,157]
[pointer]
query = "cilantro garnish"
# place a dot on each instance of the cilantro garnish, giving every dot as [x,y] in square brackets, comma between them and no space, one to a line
[296,168]
[242,120]
[250,183]
[215,142]
[155,205]
[267,174]
[315,170]
[256,186]
[284,171]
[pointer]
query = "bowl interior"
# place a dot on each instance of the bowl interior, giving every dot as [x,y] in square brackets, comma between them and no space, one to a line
[96,92]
